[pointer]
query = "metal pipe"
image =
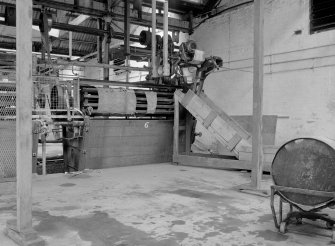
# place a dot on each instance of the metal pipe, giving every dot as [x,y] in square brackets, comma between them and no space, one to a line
[106,58]
[145,21]
[127,35]
[83,64]
[99,41]
[154,41]
[107,42]
[166,67]
[70,45]
[143,84]
[44,154]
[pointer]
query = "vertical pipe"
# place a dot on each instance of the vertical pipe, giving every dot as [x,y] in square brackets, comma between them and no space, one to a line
[70,45]
[66,147]
[106,51]
[127,72]
[166,67]
[127,35]
[24,89]
[99,41]
[153,40]
[176,127]
[43,53]
[44,154]
[107,38]
[257,145]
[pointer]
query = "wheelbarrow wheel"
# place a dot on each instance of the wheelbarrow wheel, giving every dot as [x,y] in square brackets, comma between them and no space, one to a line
[283,227]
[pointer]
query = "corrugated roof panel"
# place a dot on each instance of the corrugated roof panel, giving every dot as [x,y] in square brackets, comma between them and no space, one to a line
[84,43]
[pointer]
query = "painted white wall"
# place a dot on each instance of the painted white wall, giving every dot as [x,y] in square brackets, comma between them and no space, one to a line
[299,83]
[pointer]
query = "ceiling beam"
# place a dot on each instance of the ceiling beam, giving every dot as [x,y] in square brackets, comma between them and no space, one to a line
[83,29]
[117,14]
[71,7]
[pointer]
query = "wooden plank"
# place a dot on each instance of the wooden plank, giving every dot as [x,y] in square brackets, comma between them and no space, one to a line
[257,146]
[24,114]
[187,98]
[209,119]
[234,141]
[212,162]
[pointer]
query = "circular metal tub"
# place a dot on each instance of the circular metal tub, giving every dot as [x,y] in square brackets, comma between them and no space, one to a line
[305,163]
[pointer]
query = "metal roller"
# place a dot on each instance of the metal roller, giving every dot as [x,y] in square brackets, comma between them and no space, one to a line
[164,107]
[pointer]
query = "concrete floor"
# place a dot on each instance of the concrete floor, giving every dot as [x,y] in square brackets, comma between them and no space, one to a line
[152,205]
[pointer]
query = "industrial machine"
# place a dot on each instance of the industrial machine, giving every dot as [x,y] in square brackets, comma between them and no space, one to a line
[303,173]
[187,64]
[104,123]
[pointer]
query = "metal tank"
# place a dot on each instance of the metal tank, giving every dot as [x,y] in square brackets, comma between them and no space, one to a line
[303,172]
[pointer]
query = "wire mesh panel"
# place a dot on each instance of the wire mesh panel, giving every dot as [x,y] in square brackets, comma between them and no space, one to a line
[55,98]
[7,130]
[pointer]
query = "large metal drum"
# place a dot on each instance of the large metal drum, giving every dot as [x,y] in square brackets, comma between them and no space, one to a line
[306,163]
